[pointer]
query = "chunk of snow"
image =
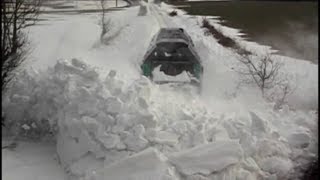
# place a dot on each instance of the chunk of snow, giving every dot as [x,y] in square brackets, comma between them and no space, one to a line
[299,139]
[114,156]
[87,142]
[218,133]
[248,143]
[33,125]
[179,127]
[199,138]
[135,143]
[197,177]
[25,127]
[87,106]
[268,147]
[124,121]
[258,125]
[186,115]
[244,175]
[121,146]
[148,164]
[19,98]
[69,150]
[106,120]
[271,177]
[114,105]
[142,103]
[250,164]
[90,124]
[138,130]
[233,132]
[147,119]
[117,129]
[74,127]
[109,140]
[77,63]
[208,158]
[168,138]
[276,165]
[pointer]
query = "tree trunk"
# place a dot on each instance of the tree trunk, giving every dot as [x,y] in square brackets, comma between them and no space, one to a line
[14,32]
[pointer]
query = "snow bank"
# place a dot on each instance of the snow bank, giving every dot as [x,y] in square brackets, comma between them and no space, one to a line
[104,125]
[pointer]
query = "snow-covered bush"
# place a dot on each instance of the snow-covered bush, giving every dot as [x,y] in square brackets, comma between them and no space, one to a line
[265,72]
[173,13]
[104,24]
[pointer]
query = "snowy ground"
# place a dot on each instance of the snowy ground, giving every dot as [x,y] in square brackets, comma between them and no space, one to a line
[31,160]
[115,124]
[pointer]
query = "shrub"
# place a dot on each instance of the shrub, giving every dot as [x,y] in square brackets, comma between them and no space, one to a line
[143,10]
[222,39]
[173,13]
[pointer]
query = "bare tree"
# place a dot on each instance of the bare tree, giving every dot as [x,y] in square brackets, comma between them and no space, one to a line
[104,23]
[283,88]
[280,101]
[15,16]
[262,71]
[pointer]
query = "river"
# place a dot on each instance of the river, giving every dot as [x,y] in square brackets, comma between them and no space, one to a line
[290,27]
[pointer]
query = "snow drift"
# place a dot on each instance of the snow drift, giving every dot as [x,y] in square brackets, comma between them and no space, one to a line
[103,125]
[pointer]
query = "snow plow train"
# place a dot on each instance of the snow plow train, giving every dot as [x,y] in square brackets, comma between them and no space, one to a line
[172,52]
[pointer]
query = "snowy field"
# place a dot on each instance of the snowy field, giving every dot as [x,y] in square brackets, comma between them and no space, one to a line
[110,122]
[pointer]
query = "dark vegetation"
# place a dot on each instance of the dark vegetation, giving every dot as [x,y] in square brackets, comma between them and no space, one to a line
[222,39]
[173,13]
[311,172]
[15,16]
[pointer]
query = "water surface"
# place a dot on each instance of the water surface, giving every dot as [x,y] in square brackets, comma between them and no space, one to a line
[290,27]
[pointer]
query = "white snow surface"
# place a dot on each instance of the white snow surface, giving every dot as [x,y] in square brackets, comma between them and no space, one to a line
[208,158]
[159,76]
[113,123]
[31,160]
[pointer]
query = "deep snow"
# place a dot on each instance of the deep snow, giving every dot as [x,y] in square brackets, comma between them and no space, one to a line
[112,123]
